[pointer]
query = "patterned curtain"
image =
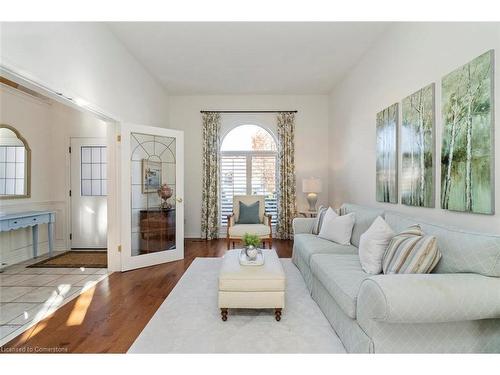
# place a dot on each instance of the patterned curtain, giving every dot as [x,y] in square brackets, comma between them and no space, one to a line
[286,183]
[210,178]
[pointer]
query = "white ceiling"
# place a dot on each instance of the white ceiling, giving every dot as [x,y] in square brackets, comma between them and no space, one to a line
[248,58]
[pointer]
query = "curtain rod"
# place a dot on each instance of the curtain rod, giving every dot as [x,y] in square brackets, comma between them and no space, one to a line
[246,111]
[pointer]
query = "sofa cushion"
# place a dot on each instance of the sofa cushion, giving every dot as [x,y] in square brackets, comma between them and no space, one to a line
[365,216]
[305,245]
[462,251]
[318,220]
[337,228]
[373,244]
[249,213]
[341,275]
[411,252]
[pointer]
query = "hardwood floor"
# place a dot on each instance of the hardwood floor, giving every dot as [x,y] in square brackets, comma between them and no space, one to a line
[109,317]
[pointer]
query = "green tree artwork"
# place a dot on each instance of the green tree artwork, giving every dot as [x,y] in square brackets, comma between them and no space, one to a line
[417,148]
[467,151]
[387,160]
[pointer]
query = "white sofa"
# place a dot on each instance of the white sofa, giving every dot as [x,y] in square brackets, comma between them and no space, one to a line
[454,309]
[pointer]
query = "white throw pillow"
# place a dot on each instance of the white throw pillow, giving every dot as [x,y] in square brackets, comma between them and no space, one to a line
[337,228]
[372,245]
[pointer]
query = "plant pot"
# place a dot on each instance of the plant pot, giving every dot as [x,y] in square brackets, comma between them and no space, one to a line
[251,252]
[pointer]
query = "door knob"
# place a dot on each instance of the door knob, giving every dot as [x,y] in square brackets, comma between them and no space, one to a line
[179,200]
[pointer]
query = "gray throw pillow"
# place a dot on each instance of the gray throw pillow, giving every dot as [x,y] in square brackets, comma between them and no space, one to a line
[411,252]
[249,214]
[318,220]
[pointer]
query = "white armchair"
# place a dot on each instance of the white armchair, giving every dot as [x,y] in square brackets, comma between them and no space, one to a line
[235,231]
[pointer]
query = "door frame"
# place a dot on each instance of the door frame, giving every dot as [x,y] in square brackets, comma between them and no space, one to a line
[114,197]
[129,262]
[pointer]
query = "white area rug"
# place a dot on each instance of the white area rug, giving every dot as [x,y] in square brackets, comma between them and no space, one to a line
[189,321]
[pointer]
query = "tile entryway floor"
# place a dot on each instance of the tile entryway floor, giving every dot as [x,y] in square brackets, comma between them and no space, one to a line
[27,295]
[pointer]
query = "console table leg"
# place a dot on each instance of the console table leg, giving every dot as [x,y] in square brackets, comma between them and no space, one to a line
[34,230]
[223,313]
[51,238]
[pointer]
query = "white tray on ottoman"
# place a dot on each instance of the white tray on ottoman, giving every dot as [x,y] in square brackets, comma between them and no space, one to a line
[257,287]
[258,261]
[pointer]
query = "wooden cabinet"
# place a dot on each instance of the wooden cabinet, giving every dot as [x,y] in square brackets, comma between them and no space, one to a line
[157,230]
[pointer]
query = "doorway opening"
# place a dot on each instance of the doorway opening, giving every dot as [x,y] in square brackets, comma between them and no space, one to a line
[43,264]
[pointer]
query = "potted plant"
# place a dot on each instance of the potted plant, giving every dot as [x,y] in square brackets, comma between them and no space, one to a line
[251,243]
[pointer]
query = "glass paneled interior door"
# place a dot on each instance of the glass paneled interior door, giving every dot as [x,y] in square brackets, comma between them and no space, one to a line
[152,196]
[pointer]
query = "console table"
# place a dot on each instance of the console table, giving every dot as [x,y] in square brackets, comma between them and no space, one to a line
[31,219]
[308,213]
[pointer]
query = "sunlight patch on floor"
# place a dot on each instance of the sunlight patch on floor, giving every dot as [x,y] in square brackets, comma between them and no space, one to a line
[80,309]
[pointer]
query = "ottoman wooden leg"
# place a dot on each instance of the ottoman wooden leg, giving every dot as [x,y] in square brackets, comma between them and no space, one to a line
[223,313]
[277,314]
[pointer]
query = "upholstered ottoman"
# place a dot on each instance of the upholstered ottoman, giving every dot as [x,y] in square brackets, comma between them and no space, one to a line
[251,287]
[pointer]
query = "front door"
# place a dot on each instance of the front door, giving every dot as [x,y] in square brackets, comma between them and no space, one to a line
[89,222]
[152,183]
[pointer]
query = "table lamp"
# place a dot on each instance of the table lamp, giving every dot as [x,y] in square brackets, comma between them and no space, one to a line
[311,186]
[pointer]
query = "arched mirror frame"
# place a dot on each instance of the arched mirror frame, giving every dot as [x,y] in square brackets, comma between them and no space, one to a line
[27,166]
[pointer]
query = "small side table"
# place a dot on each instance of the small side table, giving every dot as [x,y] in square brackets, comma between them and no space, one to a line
[308,213]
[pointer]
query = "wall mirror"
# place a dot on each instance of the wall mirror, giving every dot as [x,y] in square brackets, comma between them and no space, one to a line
[15,164]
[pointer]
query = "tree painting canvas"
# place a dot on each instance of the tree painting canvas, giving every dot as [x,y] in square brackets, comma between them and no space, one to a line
[467,155]
[387,156]
[417,149]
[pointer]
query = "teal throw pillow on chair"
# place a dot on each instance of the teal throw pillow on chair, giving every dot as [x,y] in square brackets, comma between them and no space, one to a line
[249,214]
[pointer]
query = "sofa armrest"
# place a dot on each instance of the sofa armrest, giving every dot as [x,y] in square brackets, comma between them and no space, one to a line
[302,225]
[429,298]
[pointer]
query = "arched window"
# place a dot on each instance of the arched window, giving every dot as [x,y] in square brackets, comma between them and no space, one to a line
[248,167]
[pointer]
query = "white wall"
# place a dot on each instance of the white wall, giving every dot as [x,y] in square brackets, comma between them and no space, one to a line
[47,127]
[406,58]
[23,112]
[86,61]
[311,138]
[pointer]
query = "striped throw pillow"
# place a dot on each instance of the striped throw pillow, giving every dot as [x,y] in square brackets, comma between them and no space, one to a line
[318,220]
[411,252]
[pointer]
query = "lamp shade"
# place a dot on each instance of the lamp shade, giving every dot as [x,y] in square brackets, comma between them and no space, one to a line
[311,185]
